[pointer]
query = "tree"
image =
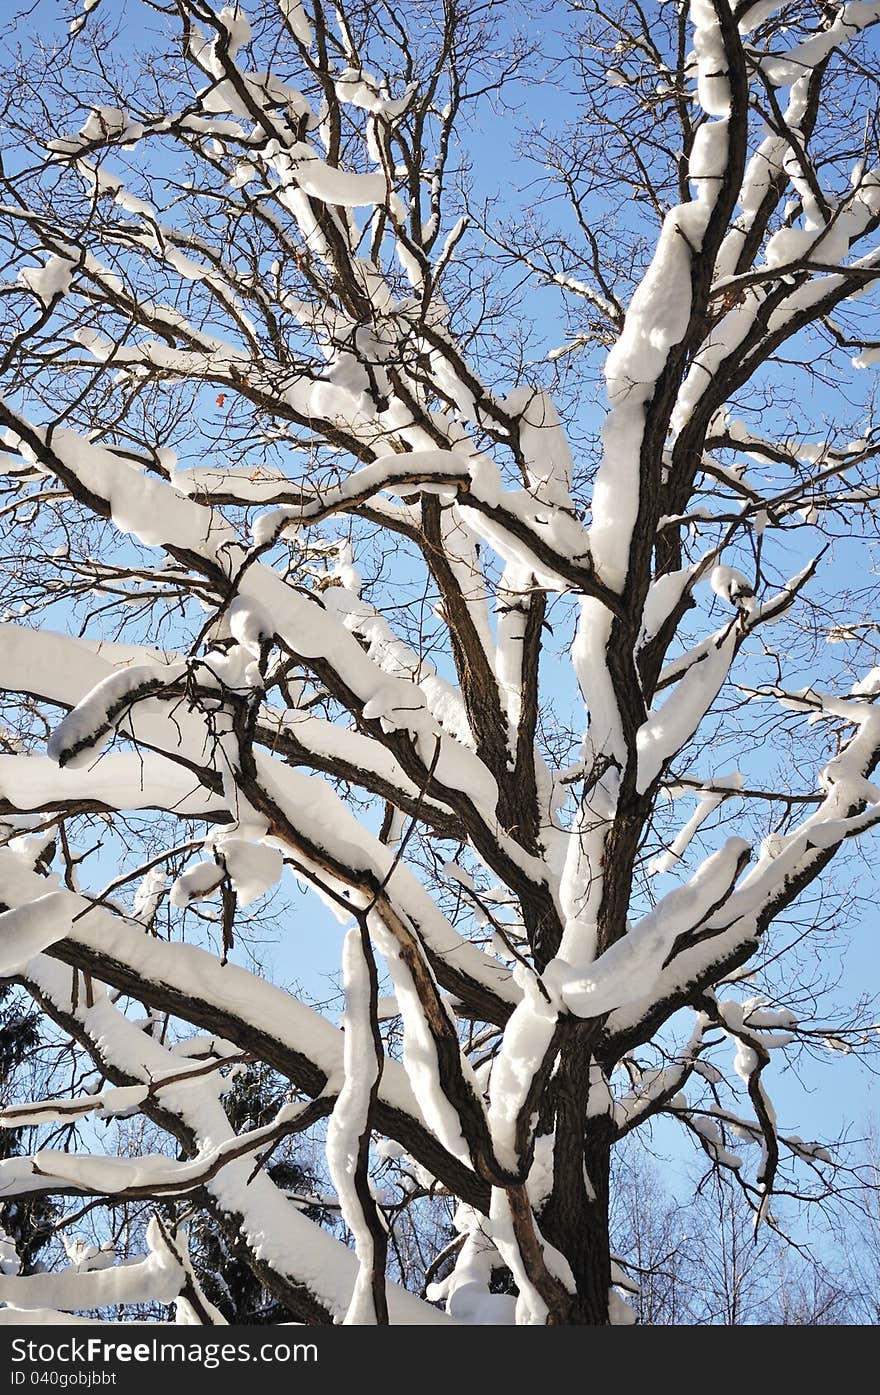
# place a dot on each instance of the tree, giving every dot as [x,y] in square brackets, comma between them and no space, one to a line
[224,1274]
[323,557]
[27,1223]
[700,1262]
[859,1243]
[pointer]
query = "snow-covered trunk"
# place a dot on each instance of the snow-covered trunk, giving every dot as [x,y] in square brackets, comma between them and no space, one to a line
[348,1132]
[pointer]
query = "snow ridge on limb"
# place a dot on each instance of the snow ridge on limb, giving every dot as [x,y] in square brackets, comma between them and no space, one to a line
[629,969]
[641,373]
[157,1278]
[299,1041]
[79,737]
[785,865]
[318,1282]
[28,930]
[348,1132]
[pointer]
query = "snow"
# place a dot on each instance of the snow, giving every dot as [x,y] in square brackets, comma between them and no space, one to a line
[543,444]
[507,519]
[47,282]
[252,867]
[668,728]
[760,171]
[363,90]
[665,861]
[309,630]
[531,1309]
[120,780]
[663,596]
[656,319]
[149,894]
[315,177]
[11,1316]
[527,1038]
[713,1143]
[9,1260]
[732,586]
[403,714]
[754,14]
[157,1278]
[466,1288]
[197,883]
[194,973]
[28,930]
[708,159]
[786,68]
[103,123]
[81,735]
[713,86]
[325,741]
[419,1048]
[250,624]
[250,485]
[350,1118]
[513,609]
[631,967]
[458,874]
[237,25]
[733,925]
[73,28]
[723,339]
[540,1179]
[311,805]
[275,1231]
[295,15]
[141,504]
[263,88]
[119,1101]
[620,1313]
[62,669]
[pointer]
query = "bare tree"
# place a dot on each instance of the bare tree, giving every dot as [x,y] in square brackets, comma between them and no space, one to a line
[320,555]
[652,1235]
[857,1235]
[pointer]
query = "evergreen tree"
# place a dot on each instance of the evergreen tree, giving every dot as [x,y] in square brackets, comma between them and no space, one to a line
[27,1221]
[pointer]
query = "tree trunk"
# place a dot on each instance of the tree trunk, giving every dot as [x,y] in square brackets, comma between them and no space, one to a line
[575,1218]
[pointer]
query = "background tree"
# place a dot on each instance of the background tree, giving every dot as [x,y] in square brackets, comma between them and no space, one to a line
[318,561]
[698,1261]
[223,1273]
[27,1222]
